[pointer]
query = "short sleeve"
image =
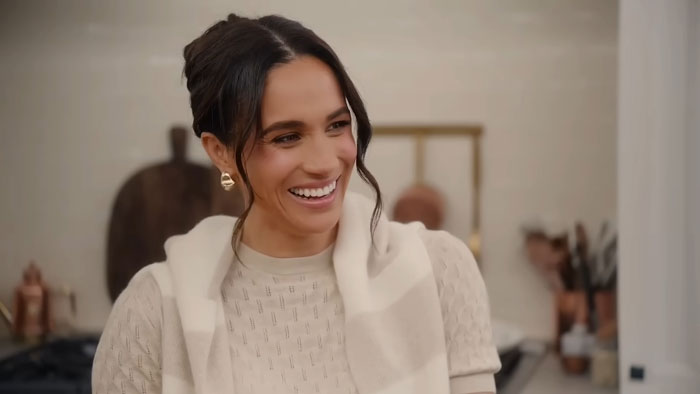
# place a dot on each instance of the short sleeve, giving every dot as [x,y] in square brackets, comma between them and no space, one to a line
[472,356]
[128,356]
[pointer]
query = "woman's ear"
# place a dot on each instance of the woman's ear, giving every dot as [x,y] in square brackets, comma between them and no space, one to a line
[220,154]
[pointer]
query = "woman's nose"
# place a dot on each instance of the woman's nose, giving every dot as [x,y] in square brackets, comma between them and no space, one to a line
[320,156]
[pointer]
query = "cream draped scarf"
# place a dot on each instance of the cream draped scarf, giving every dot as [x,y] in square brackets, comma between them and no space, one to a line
[394,330]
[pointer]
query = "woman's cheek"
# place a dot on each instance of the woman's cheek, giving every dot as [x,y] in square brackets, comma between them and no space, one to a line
[267,167]
[347,150]
[273,160]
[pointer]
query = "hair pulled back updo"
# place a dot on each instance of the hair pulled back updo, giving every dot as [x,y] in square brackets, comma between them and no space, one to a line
[226,68]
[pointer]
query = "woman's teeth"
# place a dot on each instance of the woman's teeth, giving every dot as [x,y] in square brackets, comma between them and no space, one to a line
[314,193]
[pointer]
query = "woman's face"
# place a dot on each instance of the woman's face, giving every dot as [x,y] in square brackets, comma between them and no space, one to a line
[300,169]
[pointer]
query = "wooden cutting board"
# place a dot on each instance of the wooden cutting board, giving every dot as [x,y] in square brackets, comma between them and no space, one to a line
[157,202]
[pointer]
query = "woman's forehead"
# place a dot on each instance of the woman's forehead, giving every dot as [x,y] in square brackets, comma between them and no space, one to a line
[304,89]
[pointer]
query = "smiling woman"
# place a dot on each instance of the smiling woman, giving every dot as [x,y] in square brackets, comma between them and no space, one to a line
[306,145]
[312,289]
[259,86]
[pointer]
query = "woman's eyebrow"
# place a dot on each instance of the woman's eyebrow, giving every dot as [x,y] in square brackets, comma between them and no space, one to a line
[337,112]
[290,124]
[283,124]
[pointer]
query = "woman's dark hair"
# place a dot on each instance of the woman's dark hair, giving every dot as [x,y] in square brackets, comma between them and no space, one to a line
[226,68]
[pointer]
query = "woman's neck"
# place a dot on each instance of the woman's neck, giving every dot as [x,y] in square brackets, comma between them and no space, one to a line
[272,240]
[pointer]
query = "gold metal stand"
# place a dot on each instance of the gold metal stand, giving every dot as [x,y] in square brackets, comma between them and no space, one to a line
[420,133]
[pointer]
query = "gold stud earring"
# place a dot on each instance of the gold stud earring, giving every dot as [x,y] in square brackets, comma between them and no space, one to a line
[226,181]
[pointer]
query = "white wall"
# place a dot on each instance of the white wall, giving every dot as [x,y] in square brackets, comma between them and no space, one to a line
[659,190]
[89,89]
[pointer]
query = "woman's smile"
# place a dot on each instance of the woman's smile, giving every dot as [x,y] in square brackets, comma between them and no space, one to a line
[316,195]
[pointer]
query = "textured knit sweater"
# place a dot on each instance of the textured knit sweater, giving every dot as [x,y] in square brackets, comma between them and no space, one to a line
[286,331]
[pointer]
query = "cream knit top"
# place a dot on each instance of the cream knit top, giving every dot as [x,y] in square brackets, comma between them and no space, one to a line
[285,323]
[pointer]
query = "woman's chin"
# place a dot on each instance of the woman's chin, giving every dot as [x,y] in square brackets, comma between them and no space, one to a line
[319,223]
[320,228]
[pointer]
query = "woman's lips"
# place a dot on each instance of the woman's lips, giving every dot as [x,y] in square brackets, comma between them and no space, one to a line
[326,198]
[317,191]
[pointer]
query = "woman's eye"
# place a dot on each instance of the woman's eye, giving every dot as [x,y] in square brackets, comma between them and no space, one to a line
[286,139]
[339,125]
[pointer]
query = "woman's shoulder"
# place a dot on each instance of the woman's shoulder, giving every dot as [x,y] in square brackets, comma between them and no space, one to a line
[449,256]
[456,272]
[141,297]
[144,283]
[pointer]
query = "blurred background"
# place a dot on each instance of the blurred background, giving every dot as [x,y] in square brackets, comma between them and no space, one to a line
[570,120]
